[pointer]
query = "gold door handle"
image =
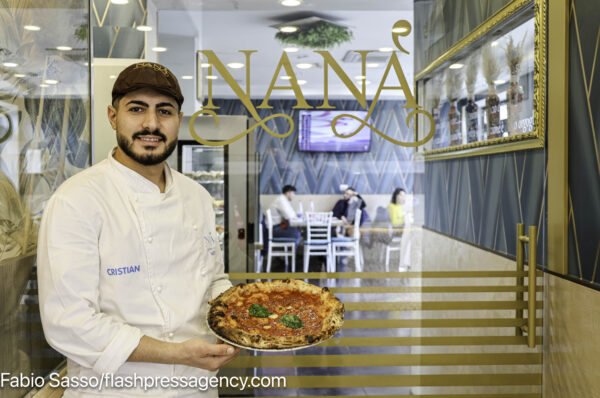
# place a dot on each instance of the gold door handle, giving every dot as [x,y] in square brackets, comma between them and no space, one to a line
[522,239]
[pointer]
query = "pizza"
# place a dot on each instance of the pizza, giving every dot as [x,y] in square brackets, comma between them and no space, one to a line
[275,315]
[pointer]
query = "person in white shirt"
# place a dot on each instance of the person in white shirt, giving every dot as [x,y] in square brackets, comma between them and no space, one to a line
[128,255]
[282,212]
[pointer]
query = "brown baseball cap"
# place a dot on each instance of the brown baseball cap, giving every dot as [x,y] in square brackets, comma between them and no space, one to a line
[147,75]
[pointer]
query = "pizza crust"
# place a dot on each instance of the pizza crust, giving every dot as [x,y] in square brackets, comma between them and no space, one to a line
[328,307]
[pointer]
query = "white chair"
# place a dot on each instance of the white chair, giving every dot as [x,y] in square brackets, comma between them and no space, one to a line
[258,257]
[278,247]
[394,245]
[318,237]
[348,246]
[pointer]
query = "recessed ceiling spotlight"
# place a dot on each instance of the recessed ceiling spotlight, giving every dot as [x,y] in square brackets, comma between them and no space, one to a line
[43,85]
[360,77]
[494,43]
[144,28]
[301,82]
[211,77]
[19,75]
[285,77]
[205,65]
[372,65]
[51,81]
[187,77]
[498,82]
[120,2]
[112,77]
[10,64]
[159,49]
[290,3]
[400,30]
[291,49]
[64,48]
[456,66]
[32,28]
[235,65]
[288,29]
[386,49]
[304,66]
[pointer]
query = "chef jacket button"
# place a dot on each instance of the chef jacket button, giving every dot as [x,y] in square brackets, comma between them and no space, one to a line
[159,289]
[170,335]
[150,240]
[195,227]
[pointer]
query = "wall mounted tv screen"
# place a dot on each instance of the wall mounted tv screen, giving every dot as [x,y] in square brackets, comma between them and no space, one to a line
[315,133]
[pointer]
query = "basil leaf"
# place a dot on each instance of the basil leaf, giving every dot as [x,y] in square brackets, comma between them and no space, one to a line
[258,311]
[291,321]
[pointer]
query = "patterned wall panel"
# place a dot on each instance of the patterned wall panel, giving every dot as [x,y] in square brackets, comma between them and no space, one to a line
[114,32]
[584,141]
[385,167]
[481,199]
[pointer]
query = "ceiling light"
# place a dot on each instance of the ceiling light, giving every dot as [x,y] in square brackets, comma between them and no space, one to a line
[187,77]
[112,77]
[288,29]
[498,82]
[144,28]
[400,30]
[291,49]
[159,49]
[304,66]
[64,48]
[10,64]
[360,82]
[51,81]
[386,49]
[301,82]
[372,65]
[205,65]
[285,77]
[19,75]
[456,66]
[44,85]
[120,2]
[211,77]
[32,28]
[360,77]
[290,3]
[494,43]
[235,65]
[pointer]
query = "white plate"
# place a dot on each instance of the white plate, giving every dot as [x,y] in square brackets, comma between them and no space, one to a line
[267,349]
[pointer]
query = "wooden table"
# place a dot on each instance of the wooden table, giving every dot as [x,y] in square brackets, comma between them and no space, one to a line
[301,222]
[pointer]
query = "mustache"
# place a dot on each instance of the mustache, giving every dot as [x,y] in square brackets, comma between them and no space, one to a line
[156,133]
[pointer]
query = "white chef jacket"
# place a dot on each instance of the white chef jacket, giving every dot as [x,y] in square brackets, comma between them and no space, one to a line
[282,209]
[118,259]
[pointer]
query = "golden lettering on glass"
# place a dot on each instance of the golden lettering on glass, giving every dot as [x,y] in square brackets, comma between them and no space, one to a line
[401,28]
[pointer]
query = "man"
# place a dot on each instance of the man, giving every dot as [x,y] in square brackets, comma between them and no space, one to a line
[345,208]
[128,255]
[282,212]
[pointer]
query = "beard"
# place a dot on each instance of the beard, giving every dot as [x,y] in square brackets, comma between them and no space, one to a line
[147,159]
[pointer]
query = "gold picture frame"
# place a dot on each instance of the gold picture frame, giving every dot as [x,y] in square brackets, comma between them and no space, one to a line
[469,121]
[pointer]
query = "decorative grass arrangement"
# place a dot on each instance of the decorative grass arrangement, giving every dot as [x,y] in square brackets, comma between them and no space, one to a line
[320,34]
[490,67]
[471,74]
[514,54]
[454,82]
[436,92]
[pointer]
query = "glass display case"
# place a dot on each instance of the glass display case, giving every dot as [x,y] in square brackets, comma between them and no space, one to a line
[206,165]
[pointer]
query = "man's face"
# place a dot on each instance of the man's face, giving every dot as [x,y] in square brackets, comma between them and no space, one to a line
[290,195]
[348,193]
[147,123]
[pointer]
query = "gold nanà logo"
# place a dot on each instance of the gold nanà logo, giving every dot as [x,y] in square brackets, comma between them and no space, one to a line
[156,67]
[400,28]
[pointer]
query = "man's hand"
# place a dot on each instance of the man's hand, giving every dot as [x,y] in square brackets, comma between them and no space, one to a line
[200,354]
[193,352]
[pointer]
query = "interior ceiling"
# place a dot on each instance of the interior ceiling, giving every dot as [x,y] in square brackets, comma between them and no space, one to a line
[227,26]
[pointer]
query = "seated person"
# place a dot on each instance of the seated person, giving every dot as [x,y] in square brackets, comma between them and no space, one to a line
[395,210]
[345,208]
[282,212]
